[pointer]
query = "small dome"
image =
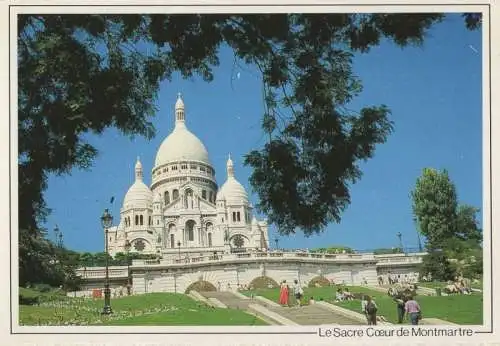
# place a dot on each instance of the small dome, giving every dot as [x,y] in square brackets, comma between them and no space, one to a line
[181,144]
[138,195]
[232,191]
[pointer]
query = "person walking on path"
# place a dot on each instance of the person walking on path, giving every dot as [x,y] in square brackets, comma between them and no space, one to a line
[298,292]
[400,300]
[369,308]
[413,311]
[283,299]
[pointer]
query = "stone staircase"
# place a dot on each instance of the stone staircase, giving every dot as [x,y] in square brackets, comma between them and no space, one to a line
[229,299]
[304,315]
[313,315]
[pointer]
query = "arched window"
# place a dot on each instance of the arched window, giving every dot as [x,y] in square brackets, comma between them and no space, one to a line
[167,197]
[204,194]
[175,194]
[172,241]
[136,220]
[190,230]
[141,220]
[210,239]
[150,223]
[238,216]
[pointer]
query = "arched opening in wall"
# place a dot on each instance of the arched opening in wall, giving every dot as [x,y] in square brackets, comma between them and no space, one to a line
[319,281]
[172,241]
[209,227]
[190,230]
[201,286]
[141,220]
[171,231]
[175,194]
[263,282]
[137,220]
[166,197]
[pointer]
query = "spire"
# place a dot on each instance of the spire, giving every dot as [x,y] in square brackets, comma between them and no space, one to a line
[230,169]
[138,169]
[179,110]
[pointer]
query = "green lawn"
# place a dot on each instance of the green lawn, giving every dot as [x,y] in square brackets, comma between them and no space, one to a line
[147,309]
[461,309]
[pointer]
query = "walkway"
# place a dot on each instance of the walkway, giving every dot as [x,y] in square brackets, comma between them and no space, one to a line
[304,315]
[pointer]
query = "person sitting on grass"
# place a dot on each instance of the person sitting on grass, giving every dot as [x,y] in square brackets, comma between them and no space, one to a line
[347,295]
[339,296]
[311,301]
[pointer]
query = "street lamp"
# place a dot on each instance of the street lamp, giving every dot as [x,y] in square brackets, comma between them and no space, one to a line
[179,247]
[57,232]
[60,243]
[127,251]
[276,240]
[107,221]
[399,235]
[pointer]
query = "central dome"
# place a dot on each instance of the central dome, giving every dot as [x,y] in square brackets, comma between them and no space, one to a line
[181,144]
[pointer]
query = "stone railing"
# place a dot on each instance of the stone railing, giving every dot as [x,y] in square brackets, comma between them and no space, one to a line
[245,256]
[100,272]
[399,260]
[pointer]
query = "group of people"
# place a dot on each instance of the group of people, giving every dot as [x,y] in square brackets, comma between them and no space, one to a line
[391,279]
[406,306]
[343,294]
[286,291]
[460,286]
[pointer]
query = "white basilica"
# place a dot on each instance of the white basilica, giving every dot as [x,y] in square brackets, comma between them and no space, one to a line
[183,211]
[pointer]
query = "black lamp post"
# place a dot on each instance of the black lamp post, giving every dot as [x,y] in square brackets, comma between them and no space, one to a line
[107,221]
[127,251]
[399,235]
[60,242]
[57,232]
[276,240]
[179,247]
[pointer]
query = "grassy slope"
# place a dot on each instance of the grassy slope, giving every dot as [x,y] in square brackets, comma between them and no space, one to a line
[147,309]
[459,309]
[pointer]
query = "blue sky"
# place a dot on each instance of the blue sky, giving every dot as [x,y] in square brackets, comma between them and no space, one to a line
[434,93]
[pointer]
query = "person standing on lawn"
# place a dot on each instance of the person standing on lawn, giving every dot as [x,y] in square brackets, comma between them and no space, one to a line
[369,308]
[400,300]
[413,311]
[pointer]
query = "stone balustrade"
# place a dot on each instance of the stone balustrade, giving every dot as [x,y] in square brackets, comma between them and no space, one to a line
[100,272]
[235,258]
